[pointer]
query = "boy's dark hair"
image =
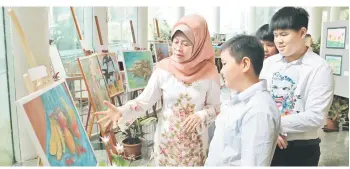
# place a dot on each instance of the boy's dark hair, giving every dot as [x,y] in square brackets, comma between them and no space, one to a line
[307,36]
[264,33]
[249,46]
[290,18]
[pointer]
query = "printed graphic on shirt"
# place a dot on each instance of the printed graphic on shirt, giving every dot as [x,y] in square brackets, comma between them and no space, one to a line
[282,90]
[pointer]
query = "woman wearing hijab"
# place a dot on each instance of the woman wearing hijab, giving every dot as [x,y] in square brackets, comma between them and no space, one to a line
[189,83]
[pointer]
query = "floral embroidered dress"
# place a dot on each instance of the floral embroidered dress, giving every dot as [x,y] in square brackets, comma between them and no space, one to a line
[172,145]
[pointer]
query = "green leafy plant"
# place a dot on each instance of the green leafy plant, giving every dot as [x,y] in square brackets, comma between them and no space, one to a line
[134,132]
[339,109]
[316,46]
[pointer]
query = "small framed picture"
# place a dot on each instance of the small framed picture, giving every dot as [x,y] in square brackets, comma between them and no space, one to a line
[336,38]
[335,61]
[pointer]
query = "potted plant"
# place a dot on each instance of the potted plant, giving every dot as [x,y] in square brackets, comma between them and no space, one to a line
[337,113]
[133,136]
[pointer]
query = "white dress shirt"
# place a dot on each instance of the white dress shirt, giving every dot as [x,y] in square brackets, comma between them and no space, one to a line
[246,130]
[303,92]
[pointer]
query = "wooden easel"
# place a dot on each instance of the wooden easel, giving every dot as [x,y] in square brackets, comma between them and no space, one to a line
[109,129]
[136,92]
[31,85]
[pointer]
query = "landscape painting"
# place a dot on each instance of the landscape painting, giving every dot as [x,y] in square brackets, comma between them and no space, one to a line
[335,61]
[138,66]
[54,125]
[161,51]
[336,38]
[111,73]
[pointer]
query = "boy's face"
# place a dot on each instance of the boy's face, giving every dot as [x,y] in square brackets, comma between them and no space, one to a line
[231,71]
[269,48]
[289,41]
[308,41]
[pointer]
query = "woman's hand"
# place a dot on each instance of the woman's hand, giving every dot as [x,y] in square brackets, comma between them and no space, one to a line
[112,115]
[191,123]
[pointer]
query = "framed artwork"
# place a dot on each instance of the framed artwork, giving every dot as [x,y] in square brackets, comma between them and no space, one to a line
[94,82]
[138,67]
[111,73]
[161,51]
[217,51]
[336,38]
[335,61]
[55,128]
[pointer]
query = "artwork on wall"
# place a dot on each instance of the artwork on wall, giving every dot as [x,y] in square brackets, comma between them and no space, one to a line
[161,51]
[94,81]
[111,73]
[335,61]
[54,125]
[217,51]
[336,38]
[138,66]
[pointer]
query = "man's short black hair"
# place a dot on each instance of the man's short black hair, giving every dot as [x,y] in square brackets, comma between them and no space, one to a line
[307,36]
[249,46]
[290,18]
[264,33]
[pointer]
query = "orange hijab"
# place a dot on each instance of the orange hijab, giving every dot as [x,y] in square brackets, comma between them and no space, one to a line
[202,63]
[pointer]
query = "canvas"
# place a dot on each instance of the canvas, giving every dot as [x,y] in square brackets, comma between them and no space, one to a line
[161,51]
[94,81]
[336,37]
[55,128]
[217,51]
[111,73]
[335,61]
[138,66]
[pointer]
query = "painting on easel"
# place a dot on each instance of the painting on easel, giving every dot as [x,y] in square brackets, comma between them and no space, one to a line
[111,73]
[55,128]
[94,81]
[161,51]
[138,66]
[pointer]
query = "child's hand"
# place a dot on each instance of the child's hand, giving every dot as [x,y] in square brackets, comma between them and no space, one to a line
[191,123]
[112,115]
[282,142]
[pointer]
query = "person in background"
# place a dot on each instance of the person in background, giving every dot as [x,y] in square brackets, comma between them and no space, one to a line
[301,84]
[190,85]
[308,41]
[267,40]
[248,125]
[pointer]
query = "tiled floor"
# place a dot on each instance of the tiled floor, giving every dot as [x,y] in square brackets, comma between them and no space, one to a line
[334,149]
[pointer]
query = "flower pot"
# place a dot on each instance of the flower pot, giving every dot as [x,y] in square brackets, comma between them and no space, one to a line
[331,126]
[132,149]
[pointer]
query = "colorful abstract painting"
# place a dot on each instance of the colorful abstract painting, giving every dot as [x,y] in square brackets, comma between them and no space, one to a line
[161,51]
[138,67]
[335,61]
[55,128]
[111,73]
[94,81]
[336,38]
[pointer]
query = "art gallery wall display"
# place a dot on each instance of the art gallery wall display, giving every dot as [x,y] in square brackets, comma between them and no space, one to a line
[336,38]
[335,61]
[111,73]
[54,126]
[138,67]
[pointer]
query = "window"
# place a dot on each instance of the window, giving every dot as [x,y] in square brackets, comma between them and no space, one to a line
[166,20]
[119,32]
[65,36]
[6,145]
[206,12]
[232,20]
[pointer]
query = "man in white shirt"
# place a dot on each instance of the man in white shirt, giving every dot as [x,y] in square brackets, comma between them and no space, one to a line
[247,127]
[301,83]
